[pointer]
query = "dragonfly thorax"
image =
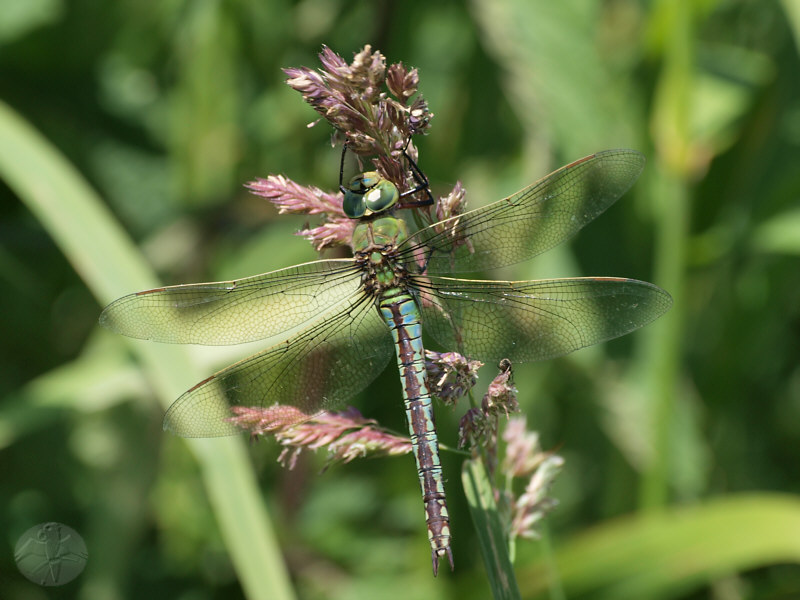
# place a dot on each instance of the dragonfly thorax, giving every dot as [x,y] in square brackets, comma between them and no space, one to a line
[367,194]
[375,249]
[378,235]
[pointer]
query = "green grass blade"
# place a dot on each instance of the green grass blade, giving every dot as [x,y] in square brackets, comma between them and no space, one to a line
[492,538]
[111,265]
[668,554]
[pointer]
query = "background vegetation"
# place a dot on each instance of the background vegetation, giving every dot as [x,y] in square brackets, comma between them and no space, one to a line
[126,132]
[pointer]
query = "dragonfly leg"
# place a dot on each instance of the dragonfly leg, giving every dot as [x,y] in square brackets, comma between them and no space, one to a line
[422,183]
[341,169]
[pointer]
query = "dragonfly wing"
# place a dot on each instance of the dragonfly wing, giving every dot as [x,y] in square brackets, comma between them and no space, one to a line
[233,312]
[534,320]
[528,222]
[314,371]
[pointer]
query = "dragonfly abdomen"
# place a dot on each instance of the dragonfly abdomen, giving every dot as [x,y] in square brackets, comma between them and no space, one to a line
[401,314]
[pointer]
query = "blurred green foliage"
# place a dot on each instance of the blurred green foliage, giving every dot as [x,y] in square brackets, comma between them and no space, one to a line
[686,434]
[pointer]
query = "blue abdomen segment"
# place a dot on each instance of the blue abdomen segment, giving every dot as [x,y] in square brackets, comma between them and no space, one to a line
[400,312]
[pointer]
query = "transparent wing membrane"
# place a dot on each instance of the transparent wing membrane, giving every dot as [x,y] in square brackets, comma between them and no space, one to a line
[528,222]
[234,312]
[534,320]
[317,370]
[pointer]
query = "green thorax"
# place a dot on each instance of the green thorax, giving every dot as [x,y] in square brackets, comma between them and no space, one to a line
[376,238]
[378,234]
[375,249]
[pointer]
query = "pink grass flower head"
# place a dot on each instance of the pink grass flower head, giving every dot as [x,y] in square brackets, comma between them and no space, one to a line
[354,99]
[346,435]
[501,397]
[473,428]
[450,374]
[292,198]
[376,109]
[524,458]
[448,210]
[368,104]
[479,425]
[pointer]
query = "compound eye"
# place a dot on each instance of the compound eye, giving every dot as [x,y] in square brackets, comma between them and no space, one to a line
[369,180]
[369,193]
[356,184]
[364,182]
[382,196]
[354,204]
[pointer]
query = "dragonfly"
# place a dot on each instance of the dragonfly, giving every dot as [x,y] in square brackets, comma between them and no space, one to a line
[336,323]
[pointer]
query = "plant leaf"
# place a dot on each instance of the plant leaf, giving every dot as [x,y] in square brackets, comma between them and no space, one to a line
[491,536]
[667,554]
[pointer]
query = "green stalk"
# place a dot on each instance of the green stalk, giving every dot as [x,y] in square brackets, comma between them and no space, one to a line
[492,537]
[671,193]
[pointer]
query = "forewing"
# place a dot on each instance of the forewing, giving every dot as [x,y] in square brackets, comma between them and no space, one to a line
[317,370]
[528,222]
[233,312]
[534,320]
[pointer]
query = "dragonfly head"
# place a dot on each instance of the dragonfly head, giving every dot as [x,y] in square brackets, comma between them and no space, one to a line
[369,193]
